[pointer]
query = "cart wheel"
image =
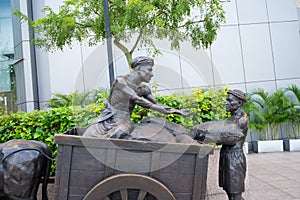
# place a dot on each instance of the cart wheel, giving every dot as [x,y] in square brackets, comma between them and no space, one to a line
[124,182]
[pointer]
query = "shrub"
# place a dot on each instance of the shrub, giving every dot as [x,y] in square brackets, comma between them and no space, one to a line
[204,104]
[42,125]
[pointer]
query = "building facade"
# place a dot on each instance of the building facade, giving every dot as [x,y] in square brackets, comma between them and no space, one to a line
[259,46]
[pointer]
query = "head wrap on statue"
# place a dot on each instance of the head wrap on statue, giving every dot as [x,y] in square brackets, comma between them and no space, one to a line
[142,60]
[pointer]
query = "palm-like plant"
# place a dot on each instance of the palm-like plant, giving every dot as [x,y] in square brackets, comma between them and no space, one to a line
[253,109]
[77,98]
[73,99]
[258,100]
[268,112]
[293,94]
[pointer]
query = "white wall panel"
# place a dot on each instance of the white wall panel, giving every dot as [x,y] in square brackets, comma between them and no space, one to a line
[193,76]
[257,52]
[167,71]
[252,11]
[230,12]
[241,86]
[65,70]
[286,48]
[227,57]
[200,60]
[288,82]
[95,67]
[269,86]
[281,10]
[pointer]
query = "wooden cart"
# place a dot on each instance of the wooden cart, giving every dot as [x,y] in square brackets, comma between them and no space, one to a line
[91,169]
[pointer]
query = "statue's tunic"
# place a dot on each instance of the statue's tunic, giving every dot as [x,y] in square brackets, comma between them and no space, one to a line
[232,166]
[114,120]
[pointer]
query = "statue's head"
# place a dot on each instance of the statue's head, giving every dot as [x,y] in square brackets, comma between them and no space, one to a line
[142,66]
[142,61]
[235,100]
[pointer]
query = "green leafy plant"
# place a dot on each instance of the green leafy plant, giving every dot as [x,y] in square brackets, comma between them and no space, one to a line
[43,125]
[293,94]
[77,98]
[204,104]
[134,20]
[268,111]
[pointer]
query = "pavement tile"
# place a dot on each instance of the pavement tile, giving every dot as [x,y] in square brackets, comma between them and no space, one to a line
[285,184]
[260,171]
[268,178]
[295,192]
[256,184]
[273,176]
[271,195]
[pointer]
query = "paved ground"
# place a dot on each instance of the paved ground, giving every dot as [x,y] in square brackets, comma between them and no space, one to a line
[273,176]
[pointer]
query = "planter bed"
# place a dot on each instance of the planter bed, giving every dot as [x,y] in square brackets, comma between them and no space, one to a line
[268,146]
[291,144]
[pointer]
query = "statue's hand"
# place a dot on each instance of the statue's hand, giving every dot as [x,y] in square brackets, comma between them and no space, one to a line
[170,110]
[185,112]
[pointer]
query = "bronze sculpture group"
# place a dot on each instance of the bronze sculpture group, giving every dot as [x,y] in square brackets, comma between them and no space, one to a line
[114,122]
[130,90]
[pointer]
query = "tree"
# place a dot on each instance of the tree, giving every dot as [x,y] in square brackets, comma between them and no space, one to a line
[143,20]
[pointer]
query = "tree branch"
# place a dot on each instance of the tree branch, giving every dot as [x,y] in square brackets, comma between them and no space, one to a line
[123,49]
[82,25]
[192,22]
[137,41]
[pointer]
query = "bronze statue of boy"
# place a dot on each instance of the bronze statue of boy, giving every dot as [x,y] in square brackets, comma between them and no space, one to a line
[128,91]
[231,134]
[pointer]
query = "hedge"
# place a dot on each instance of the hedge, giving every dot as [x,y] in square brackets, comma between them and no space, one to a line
[42,125]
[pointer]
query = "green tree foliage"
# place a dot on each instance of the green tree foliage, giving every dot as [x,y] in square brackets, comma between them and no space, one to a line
[134,20]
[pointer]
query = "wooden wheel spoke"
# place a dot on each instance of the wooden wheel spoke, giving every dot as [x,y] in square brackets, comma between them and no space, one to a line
[124,194]
[126,182]
[142,195]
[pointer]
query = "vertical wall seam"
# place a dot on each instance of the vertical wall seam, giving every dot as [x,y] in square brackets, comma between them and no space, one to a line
[241,45]
[180,68]
[271,45]
[212,67]
[82,69]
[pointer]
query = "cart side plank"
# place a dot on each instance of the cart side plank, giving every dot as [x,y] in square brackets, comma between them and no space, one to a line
[65,172]
[90,142]
[84,162]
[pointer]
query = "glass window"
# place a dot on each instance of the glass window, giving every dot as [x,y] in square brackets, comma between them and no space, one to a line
[7,86]
[5,11]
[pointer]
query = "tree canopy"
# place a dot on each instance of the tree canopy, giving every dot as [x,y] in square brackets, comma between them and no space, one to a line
[141,20]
